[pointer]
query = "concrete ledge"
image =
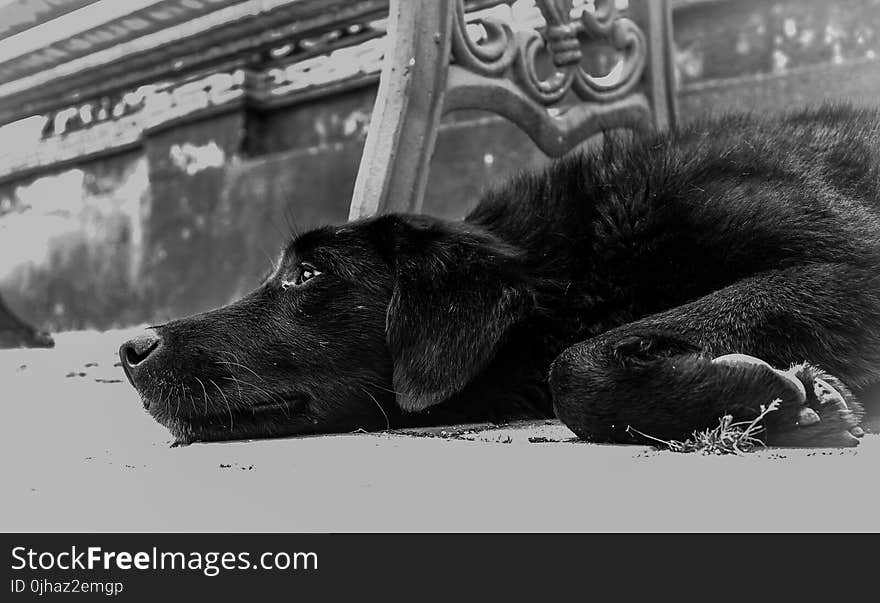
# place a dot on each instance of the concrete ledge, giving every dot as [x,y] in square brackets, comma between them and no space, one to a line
[80,455]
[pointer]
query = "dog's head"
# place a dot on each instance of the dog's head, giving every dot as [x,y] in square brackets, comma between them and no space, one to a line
[356,325]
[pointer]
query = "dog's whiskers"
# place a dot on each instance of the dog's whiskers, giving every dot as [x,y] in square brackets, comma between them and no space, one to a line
[237,384]
[266,395]
[382,410]
[177,410]
[161,397]
[204,391]
[190,399]
[253,385]
[226,401]
[390,391]
[242,366]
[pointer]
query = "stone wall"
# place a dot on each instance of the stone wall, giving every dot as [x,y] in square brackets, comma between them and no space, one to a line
[72,243]
[193,216]
[766,56]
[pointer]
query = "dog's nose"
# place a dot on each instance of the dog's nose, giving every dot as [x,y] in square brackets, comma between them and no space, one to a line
[135,351]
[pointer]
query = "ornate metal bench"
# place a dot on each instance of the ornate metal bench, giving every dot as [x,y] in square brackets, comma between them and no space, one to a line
[433,66]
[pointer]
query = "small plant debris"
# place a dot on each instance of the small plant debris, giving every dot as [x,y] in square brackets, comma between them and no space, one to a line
[544,440]
[727,438]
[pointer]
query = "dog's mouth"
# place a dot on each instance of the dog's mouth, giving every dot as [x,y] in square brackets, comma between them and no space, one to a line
[161,406]
[230,418]
[244,424]
[292,403]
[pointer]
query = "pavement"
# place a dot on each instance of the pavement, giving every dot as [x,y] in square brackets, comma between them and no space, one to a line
[80,454]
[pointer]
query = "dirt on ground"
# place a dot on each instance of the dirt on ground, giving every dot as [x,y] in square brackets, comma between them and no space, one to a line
[80,454]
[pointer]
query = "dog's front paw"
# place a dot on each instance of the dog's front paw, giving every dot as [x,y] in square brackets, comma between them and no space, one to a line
[815,409]
[828,417]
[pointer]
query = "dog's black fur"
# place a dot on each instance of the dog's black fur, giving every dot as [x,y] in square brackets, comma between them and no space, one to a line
[599,290]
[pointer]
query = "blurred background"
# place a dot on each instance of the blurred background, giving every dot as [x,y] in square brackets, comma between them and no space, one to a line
[155,154]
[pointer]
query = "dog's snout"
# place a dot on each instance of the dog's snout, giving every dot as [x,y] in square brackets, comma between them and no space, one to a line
[135,352]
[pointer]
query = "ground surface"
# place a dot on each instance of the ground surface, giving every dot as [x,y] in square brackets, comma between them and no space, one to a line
[79,454]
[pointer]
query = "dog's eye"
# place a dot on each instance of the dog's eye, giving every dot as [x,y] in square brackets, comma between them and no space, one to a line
[304,272]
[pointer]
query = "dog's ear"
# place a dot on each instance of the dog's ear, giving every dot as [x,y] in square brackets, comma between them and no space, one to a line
[455,298]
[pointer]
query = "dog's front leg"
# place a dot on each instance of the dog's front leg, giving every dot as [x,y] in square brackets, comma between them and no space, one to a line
[662,375]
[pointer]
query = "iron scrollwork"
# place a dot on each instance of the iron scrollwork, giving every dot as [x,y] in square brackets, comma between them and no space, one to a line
[503,68]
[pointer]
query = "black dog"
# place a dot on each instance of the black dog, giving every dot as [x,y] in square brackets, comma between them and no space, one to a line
[602,291]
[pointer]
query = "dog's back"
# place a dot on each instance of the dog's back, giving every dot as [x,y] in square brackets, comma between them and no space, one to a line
[647,226]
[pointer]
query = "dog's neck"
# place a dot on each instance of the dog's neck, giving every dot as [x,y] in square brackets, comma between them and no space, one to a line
[513,387]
